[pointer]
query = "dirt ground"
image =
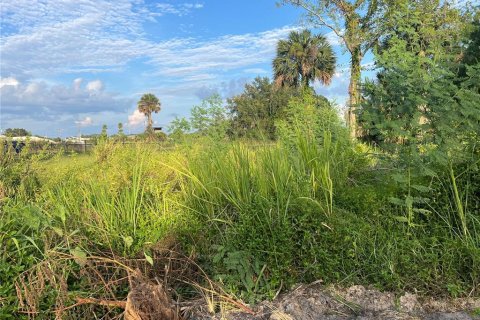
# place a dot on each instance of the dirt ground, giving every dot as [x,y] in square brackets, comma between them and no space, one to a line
[317,302]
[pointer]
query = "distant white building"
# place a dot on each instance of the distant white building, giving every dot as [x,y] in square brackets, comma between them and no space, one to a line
[77,139]
[30,138]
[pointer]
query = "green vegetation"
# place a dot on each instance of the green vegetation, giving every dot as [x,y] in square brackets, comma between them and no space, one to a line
[302,59]
[16,132]
[255,111]
[359,24]
[120,133]
[147,105]
[266,192]
[313,205]
[104,134]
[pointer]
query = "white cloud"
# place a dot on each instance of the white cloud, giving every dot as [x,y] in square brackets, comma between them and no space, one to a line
[31,89]
[119,16]
[9,81]
[167,8]
[85,122]
[333,39]
[71,36]
[255,71]
[185,57]
[39,98]
[370,65]
[68,35]
[180,10]
[136,118]
[95,86]
[77,83]
[194,5]
[200,77]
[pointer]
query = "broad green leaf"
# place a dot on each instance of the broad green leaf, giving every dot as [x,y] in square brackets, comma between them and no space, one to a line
[396,201]
[148,258]
[421,188]
[409,201]
[16,243]
[58,231]
[424,211]
[399,178]
[128,241]
[79,255]
[401,219]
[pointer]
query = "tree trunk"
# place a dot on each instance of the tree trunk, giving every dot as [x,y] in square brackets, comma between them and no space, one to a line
[149,123]
[353,90]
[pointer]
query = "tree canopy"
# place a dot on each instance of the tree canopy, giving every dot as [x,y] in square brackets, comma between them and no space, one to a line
[303,58]
[358,24]
[147,105]
[418,97]
[255,110]
[17,132]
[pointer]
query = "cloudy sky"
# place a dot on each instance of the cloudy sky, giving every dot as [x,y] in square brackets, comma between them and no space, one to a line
[70,66]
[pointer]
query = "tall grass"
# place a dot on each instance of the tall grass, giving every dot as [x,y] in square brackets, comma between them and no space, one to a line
[259,218]
[251,200]
[458,204]
[317,161]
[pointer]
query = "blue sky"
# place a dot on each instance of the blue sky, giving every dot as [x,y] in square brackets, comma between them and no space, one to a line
[70,66]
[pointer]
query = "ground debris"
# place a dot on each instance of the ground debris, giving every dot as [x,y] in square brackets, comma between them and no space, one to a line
[317,302]
[148,301]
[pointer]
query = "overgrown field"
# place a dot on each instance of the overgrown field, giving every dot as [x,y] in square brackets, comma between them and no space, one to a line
[252,218]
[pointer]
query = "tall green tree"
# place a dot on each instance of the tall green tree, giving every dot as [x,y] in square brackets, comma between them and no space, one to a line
[303,58]
[255,110]
[120,133]
[426,116]
[471,54]
[179,127]
[358,24]
[17,132]
[147,105]
[417,98]
[120,129]
[104,134]
[210,118]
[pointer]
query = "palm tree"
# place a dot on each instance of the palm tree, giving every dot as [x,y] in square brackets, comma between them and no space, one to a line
[303,58]
[149,103]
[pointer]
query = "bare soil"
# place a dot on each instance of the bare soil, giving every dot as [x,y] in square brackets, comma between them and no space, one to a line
[317,302]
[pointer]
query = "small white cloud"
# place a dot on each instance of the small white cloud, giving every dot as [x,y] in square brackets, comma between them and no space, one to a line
[95,86]
[136,118]
[180,10]
[193,5]
[368,65]
[77,83]
[333,39]
[85,122]
[167,8]
[255,71]
[10,81]
[33,88]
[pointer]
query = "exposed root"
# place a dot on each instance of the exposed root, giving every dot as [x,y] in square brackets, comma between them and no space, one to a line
[147,301]
[100,302]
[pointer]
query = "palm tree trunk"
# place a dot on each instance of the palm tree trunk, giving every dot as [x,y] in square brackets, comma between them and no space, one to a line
[149,123]
[353,90]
